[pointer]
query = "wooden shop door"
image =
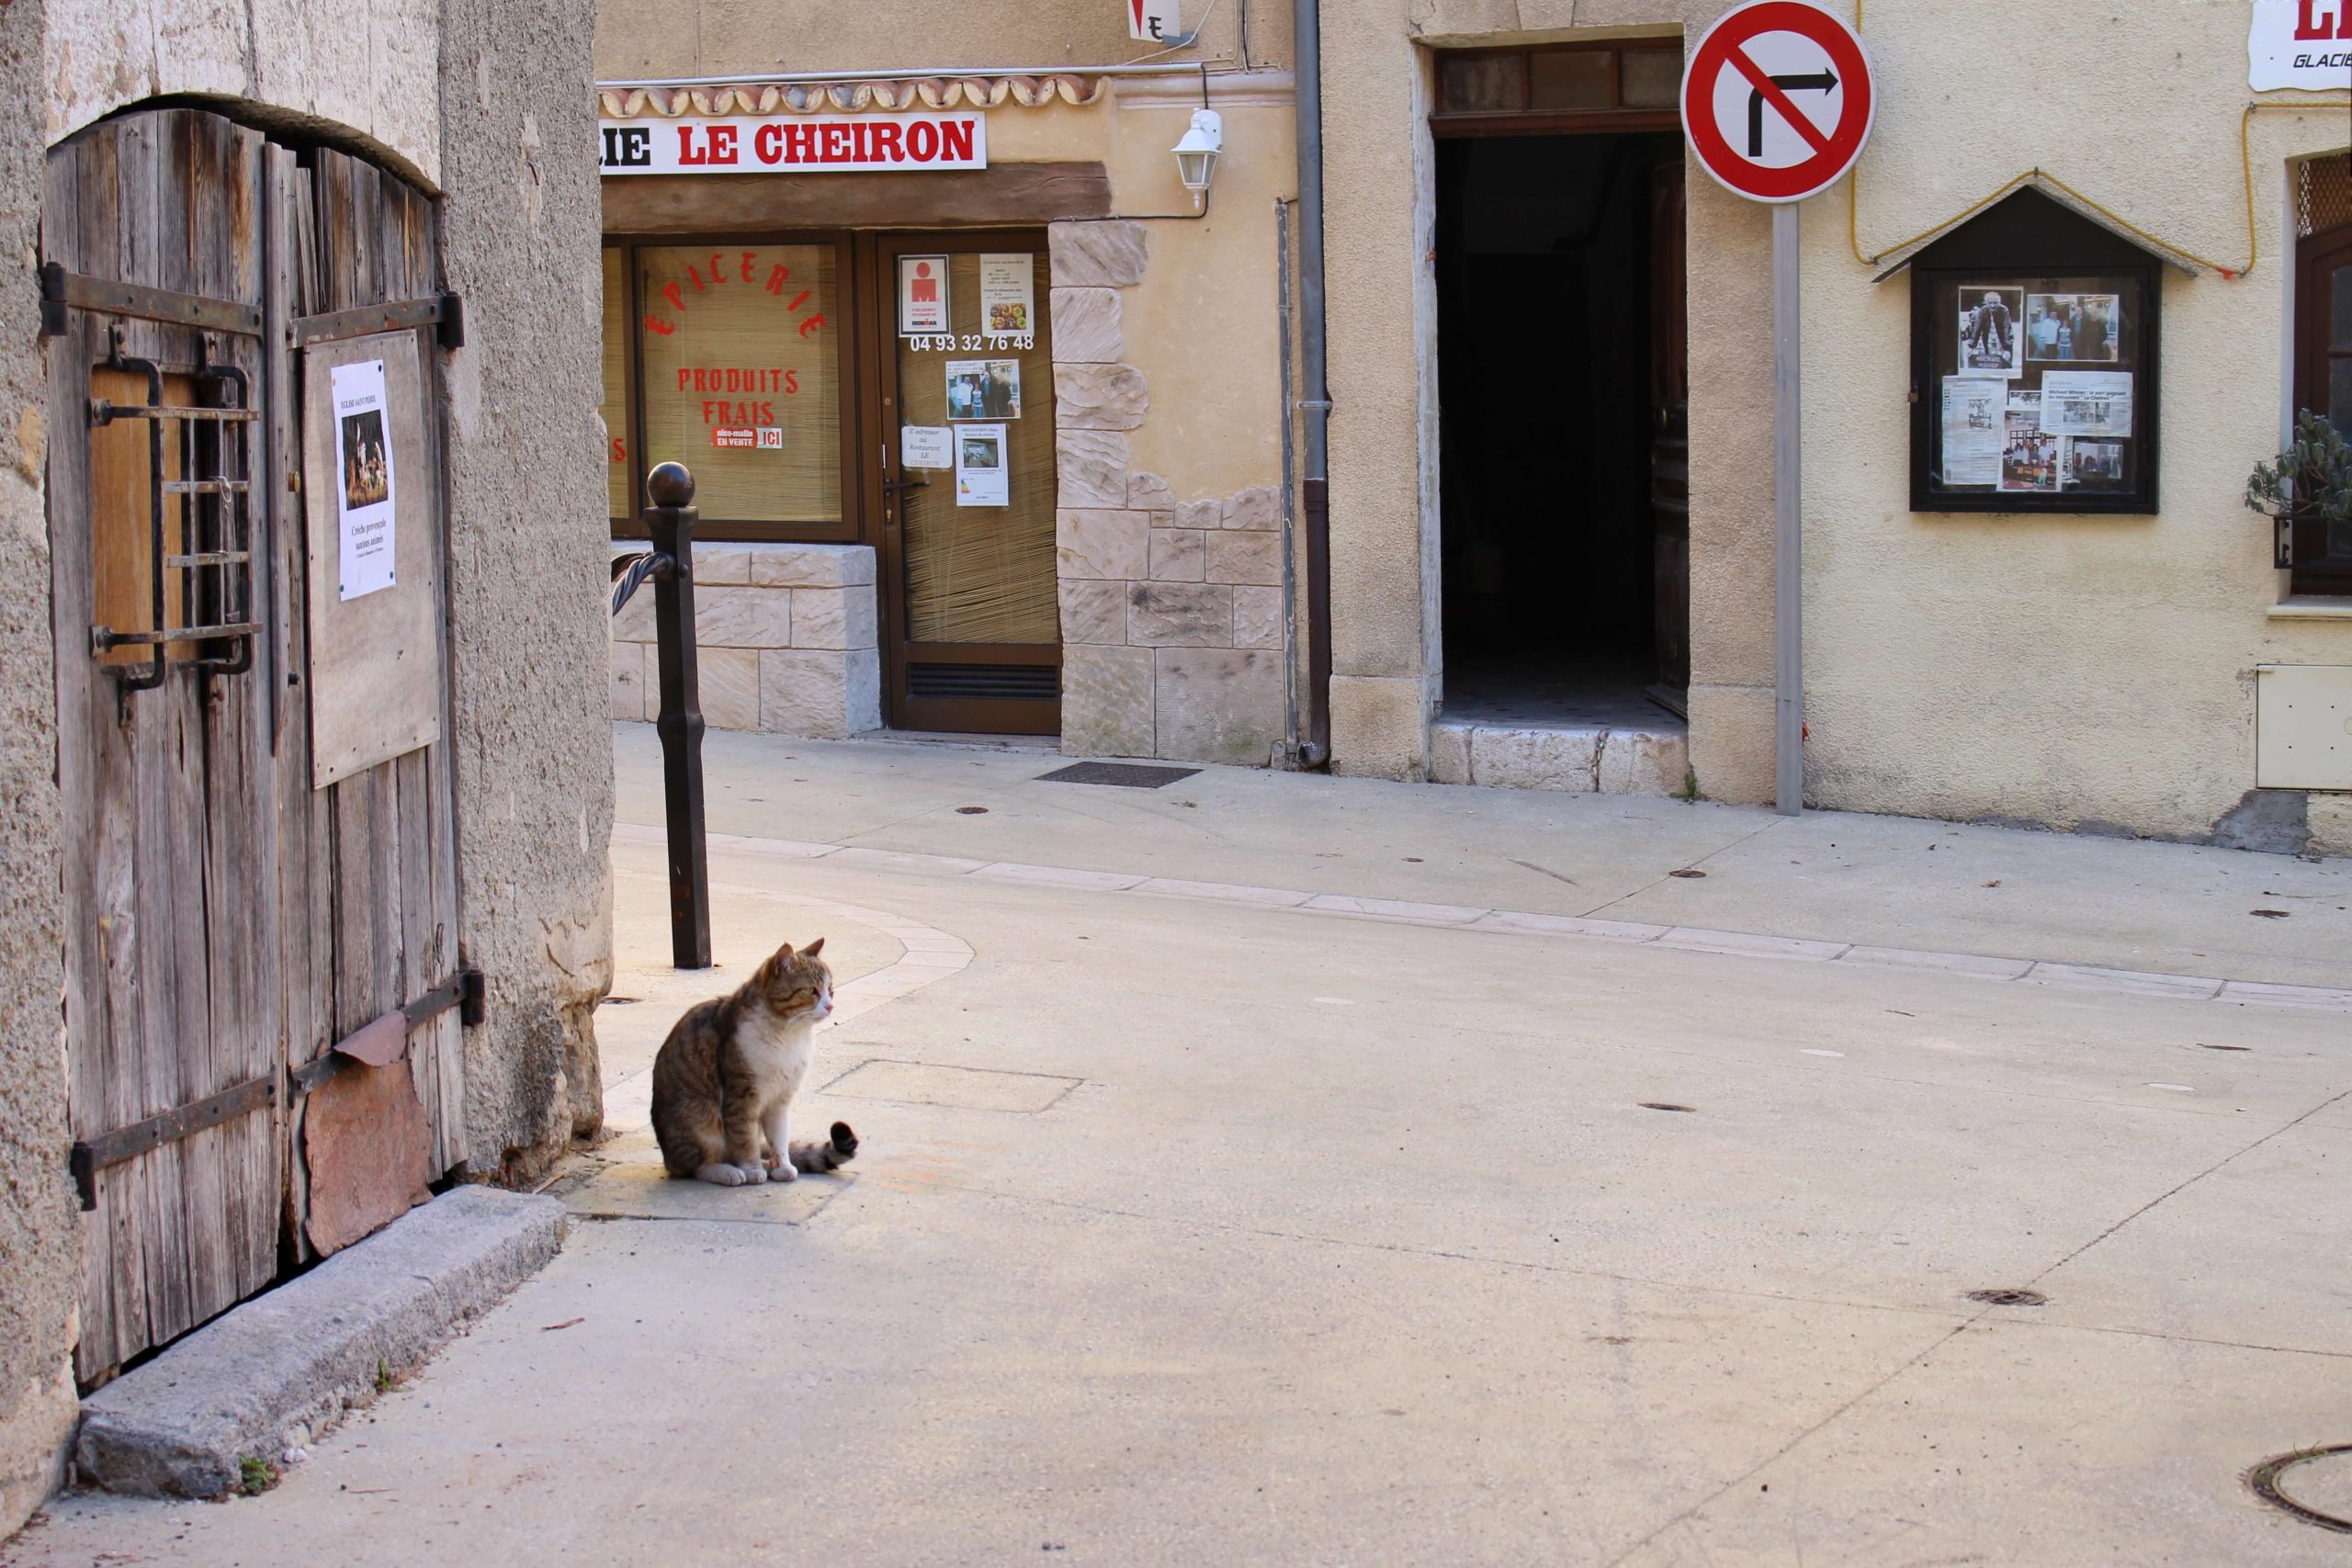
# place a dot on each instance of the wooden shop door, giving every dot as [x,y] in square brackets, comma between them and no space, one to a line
[971,638]
[227,925]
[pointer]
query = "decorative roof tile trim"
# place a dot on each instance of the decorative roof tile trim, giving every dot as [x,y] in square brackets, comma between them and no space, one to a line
[851,97]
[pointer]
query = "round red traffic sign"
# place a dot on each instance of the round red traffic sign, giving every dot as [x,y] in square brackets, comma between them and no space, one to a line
[1778,99]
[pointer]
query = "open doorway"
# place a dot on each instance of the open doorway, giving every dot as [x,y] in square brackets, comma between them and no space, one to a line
[1564,450]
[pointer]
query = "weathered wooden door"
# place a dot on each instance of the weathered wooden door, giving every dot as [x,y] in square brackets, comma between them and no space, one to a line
[228,927]
[1669,435]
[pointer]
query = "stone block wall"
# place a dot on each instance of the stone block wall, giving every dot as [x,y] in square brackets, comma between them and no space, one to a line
[787,637]
[1173,612]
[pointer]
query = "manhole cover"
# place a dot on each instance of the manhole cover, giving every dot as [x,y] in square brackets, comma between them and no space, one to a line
[1666,1105]
[2009,1298]
[2314,1485]
[1125,775]
[959,1089]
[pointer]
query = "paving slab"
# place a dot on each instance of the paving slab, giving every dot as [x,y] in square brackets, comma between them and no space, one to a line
[1881,882]
[1317,1238]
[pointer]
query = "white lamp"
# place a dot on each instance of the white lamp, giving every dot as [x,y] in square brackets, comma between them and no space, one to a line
[1196,153]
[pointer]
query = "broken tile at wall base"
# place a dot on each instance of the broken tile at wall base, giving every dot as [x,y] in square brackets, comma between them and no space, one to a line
[1219,704]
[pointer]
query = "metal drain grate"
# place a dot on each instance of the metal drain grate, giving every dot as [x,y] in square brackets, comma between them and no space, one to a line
[2265,1478]
[2009,1298]
[1125,775]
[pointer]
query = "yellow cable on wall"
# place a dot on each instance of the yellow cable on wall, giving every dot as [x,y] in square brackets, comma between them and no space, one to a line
[2245,158]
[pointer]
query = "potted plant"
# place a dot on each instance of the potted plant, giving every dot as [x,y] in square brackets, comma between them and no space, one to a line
[2308,490]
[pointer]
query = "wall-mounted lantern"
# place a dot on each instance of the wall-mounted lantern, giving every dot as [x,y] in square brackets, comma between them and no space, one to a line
[1196,153]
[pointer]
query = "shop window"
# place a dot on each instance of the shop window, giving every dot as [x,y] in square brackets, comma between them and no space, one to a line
[2322,554]
[2034,366]
[739,377]
[614,408]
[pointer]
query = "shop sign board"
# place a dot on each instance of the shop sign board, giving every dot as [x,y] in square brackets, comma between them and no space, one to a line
[800,144]
[2299,43]
[1152,21]
[1778,100]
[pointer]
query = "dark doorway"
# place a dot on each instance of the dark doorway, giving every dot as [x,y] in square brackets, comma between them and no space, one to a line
[1563,440]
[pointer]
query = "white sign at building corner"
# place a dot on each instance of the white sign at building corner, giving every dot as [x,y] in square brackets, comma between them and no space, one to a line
[2299,43]
[1153,21]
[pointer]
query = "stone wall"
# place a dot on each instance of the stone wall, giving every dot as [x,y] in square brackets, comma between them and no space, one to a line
[785,634]
[364,76]
[1173,612]
[40,1226]
[528,557]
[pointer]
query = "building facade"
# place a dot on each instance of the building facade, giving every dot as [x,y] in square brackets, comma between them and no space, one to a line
[309,774]
[1550,468]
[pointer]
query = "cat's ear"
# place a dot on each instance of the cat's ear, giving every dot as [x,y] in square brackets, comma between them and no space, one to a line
[779,958]
[813,949]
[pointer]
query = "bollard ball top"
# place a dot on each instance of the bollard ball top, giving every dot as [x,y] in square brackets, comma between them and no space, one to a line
[670,485]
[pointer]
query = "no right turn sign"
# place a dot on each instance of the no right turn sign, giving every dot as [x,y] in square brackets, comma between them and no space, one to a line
[1778,99]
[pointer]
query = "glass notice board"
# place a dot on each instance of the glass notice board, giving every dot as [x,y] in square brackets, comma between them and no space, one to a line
[2039,392]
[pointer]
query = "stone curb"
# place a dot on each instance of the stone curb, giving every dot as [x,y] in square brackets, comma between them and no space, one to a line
[1519,922]
[265,1374]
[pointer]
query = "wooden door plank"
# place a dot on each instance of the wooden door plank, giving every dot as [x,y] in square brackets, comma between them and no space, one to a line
[79,219]
[300,983]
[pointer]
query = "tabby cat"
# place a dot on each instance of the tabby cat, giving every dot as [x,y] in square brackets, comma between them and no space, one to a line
[724,1081]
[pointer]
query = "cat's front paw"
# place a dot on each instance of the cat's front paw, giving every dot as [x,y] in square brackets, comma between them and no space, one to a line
[783,1169]
[719,1174]
[754,1173]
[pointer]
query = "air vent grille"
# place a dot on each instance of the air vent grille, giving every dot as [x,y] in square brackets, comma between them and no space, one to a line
[985,682]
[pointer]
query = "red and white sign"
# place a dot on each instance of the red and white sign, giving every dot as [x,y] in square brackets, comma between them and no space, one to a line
[1152,21]
[1778,100]
[2299,43]
[799,144]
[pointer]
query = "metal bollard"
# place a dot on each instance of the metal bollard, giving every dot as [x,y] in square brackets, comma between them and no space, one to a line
[670,519]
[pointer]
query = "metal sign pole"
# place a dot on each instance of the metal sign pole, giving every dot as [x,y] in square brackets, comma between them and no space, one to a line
[1788,548]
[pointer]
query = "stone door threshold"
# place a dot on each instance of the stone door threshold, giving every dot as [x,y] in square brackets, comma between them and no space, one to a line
[1648,759]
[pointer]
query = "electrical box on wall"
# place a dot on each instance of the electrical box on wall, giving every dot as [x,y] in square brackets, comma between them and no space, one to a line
[2303,727]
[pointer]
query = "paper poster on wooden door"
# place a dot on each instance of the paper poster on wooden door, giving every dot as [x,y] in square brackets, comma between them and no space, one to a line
[923,295]
[1007,293]
[981,478]
[363,515]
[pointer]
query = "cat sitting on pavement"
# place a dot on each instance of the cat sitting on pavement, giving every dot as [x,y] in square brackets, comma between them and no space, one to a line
[724,1080]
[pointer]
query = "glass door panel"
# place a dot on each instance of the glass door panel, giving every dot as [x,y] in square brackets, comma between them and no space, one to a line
[969,491]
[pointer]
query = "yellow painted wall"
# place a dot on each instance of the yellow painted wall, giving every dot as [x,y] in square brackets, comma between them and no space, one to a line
[2082,669]
[657,38]
[2063,670]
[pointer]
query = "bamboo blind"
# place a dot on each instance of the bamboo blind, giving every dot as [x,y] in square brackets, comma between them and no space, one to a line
[753,343]
[983,574]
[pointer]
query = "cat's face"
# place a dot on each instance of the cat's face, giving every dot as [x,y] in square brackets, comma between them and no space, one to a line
[797,984]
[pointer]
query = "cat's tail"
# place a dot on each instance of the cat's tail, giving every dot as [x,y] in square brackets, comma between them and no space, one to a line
[817,1158]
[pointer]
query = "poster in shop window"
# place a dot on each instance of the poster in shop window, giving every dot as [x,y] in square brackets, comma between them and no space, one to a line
[984,389]
[365,529]
[1973,413]
[1008,294]
[2073,327]
[1992,330]
[981,476]
[926,446]
[923,295]
[2086,403]
[2029,457]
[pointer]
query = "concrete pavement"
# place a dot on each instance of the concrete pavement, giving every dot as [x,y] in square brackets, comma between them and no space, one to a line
[1198,1228]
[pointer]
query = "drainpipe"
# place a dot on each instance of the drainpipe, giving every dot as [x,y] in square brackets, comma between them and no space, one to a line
[1314,749]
